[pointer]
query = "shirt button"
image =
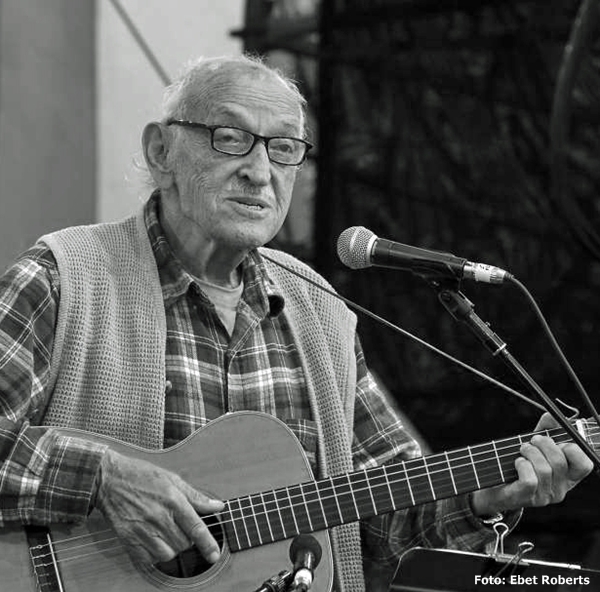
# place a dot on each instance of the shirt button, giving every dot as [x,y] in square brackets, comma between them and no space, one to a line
[168,387]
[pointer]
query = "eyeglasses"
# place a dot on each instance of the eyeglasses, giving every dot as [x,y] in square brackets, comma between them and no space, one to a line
[239,142]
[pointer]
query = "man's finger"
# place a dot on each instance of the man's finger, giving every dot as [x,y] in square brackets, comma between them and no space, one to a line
[199,534]
[580,465]
[204,540]
[203,504]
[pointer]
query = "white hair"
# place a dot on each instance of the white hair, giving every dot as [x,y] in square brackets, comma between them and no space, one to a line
[198,86]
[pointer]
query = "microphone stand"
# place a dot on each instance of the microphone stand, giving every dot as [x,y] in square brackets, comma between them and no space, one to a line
[276,583]
[462,310]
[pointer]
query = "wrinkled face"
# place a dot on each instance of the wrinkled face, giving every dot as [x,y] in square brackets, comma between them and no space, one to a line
[238,202]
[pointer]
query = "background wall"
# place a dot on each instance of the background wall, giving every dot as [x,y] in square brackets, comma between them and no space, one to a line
[47,138]
[75,92]
[130,89]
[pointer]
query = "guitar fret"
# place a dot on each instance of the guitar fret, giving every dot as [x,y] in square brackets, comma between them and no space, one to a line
[491,471]
[362,492]
[378,484]
[419,480]
[330,501]
[263,519]
[232,521]
[349,477]
[285,512]
[429,477]
[451,474]
[498,461]
[255,518]
[345,501]
[474,471]
[508,467]
[370,490]
[276,525]
[300,511]
[440,476]
[412,497]
[314,504]
[387,481]
[250,529]
[462,470]
[290,527]
[310,524]
[265,514]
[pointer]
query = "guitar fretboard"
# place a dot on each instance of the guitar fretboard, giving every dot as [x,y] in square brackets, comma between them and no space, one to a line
[269,516]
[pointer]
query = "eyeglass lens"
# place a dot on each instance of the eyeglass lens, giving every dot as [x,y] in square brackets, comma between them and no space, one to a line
[238,142]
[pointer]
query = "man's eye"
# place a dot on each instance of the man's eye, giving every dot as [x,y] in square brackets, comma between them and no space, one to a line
[283,146]
[229,137]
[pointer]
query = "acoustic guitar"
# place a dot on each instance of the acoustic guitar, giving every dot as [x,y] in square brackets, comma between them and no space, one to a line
[255,463]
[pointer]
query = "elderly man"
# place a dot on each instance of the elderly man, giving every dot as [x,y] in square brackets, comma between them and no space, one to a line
[147,329]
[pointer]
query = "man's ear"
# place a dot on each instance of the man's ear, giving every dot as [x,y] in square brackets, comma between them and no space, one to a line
[156,143]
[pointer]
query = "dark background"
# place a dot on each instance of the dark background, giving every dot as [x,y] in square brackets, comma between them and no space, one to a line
[463,126]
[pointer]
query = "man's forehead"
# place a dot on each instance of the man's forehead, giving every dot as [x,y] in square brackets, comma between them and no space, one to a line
[235,99]
[288,119]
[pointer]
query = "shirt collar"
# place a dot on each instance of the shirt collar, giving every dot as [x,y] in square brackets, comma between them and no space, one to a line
[259,291]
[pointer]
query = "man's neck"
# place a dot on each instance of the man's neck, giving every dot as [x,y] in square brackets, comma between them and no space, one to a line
[202,258]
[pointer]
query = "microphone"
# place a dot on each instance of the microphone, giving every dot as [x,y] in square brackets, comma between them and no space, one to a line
[277,583]
[358,247]
[305,554]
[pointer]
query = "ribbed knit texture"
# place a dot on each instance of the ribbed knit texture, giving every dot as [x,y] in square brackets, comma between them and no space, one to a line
[324,328]
[108,362]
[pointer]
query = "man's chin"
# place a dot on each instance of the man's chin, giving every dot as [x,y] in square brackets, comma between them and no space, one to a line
[249,238]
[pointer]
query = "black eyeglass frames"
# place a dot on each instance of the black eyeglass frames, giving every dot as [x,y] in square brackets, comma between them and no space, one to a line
[239,142]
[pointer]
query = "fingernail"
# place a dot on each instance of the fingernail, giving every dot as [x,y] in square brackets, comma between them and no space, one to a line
[214,557]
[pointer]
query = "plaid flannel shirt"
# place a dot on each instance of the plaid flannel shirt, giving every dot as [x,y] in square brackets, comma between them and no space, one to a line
[45,477]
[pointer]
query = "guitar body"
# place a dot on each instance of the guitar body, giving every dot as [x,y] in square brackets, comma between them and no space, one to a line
[255,463]
[235,455]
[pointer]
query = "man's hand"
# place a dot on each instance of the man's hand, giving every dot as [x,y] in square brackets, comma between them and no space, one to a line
[546,472]
[153,511]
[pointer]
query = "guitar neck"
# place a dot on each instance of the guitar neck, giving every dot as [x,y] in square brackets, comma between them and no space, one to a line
[279,514]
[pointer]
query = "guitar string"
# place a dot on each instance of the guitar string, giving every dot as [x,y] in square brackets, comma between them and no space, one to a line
[404,473]
[421,474]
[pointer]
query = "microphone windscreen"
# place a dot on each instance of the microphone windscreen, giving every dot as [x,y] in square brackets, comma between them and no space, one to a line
[303,543]
[354,247]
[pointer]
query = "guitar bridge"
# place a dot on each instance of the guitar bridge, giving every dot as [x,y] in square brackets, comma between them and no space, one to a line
[43,559]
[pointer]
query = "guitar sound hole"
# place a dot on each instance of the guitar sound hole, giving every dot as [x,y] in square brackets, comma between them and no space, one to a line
[190,563]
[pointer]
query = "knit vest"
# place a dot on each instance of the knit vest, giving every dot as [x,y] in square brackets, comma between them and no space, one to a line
[108,363]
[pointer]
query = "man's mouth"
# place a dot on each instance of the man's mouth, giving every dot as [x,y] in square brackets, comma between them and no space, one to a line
[252,203]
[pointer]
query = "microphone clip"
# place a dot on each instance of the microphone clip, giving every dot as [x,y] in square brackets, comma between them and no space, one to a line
[462,309]
[277,583]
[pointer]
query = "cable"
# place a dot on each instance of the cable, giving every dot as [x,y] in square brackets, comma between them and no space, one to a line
[557,349]
[406,333]
[548,406]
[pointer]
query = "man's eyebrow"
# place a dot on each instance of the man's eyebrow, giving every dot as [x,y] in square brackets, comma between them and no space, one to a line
[227,116]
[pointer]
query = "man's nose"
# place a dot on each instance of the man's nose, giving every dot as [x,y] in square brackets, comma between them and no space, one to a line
[257,166]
